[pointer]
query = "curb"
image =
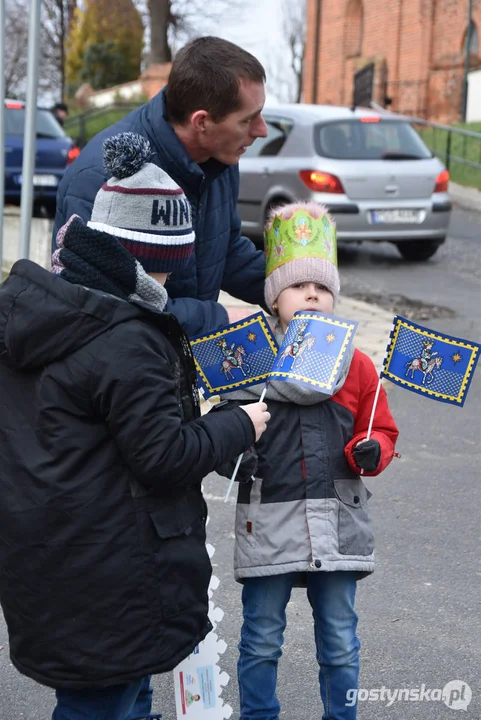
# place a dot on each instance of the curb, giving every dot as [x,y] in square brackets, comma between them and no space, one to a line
[467,197]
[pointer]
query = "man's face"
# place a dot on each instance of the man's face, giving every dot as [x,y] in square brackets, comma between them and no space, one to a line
[227,140]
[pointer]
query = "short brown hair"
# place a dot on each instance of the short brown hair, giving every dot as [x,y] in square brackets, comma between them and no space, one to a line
[206,75]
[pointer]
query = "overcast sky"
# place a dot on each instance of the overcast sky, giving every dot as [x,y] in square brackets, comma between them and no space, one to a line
[255,25]
[260,31]
[261,26]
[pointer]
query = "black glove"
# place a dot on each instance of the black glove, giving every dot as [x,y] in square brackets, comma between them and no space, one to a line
[367,455]
[248,466]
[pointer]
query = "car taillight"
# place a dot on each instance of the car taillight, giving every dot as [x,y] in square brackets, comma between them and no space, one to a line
[72,154]
[321,181]
[14,105]
[442,182]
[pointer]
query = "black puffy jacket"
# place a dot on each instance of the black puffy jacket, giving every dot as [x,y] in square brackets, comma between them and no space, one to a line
[103,567]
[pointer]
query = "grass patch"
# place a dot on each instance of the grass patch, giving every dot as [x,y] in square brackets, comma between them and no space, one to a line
[462,147]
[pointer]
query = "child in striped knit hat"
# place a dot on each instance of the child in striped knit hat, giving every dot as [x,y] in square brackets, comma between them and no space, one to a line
[103,567]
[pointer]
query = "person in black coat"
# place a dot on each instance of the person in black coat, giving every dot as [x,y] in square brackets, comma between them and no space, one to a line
[60,112]
[103,567]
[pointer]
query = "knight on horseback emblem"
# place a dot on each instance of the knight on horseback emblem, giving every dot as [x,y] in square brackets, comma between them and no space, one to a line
[234,359]
[426,353]
[228,351]
[300,335]
[302,343]
[427,363]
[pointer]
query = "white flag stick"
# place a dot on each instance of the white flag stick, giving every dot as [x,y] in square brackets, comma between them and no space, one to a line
[237,465]
[373,412]
[206,400]
[374,406]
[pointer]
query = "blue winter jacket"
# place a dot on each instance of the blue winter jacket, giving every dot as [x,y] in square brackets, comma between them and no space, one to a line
[223,258]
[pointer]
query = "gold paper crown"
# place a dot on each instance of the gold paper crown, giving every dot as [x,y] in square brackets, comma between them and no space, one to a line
[300,235]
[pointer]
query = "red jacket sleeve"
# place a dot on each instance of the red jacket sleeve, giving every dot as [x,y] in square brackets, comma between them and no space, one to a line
[384,429]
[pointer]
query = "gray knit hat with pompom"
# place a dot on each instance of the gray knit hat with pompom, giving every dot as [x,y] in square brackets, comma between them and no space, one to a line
[142,206]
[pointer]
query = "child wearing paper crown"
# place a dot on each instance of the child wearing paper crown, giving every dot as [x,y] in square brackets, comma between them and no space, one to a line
[103,567]
[304,519]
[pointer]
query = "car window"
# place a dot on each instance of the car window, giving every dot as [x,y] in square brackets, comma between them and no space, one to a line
[360,139]
[46,125]
[277,133]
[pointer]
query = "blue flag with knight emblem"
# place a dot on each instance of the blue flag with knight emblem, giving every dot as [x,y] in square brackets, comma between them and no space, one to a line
[235,356]
[314,348]
[433,364]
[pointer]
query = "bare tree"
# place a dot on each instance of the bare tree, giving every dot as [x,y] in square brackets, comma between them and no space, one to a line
[161,21]
[295,36]
[56,17]
[15,56]
[173,22]
[286,66]
[56,21]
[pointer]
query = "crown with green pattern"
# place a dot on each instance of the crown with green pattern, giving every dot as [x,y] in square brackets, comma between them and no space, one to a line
[299,236]
[300,246]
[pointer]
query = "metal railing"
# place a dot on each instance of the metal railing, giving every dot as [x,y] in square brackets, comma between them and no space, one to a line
[77,126]
[467,144]
[459,149]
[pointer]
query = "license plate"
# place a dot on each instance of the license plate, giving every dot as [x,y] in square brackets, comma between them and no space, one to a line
[45,180]
[42,180]
[397,216]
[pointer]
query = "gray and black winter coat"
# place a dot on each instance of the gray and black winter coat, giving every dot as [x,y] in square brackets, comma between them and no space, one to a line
[307,509]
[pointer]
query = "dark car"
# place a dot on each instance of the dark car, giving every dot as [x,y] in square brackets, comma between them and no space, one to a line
[54,151]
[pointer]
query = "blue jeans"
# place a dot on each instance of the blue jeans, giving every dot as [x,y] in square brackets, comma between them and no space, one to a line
[119,702]
[331,596]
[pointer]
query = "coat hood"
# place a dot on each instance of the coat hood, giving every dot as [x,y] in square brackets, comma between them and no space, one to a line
[44,318]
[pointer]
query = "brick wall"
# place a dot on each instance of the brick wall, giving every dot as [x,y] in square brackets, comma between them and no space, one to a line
[420,43]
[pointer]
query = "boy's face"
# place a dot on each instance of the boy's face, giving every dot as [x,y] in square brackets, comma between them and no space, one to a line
[302,296]
[160,277]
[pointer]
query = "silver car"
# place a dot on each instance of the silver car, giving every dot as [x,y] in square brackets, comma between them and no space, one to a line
[373,172]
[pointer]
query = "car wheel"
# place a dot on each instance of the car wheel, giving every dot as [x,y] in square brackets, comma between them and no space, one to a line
[418,250]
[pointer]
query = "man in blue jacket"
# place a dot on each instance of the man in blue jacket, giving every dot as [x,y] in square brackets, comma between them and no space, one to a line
[199,126]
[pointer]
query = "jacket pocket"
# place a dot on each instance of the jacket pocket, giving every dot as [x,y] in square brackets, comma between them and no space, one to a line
[181,563]
[355,531]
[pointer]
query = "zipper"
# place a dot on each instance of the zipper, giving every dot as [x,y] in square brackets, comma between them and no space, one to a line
[198,207]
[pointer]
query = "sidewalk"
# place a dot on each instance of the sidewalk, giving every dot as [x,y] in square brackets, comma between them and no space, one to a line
[374,322]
